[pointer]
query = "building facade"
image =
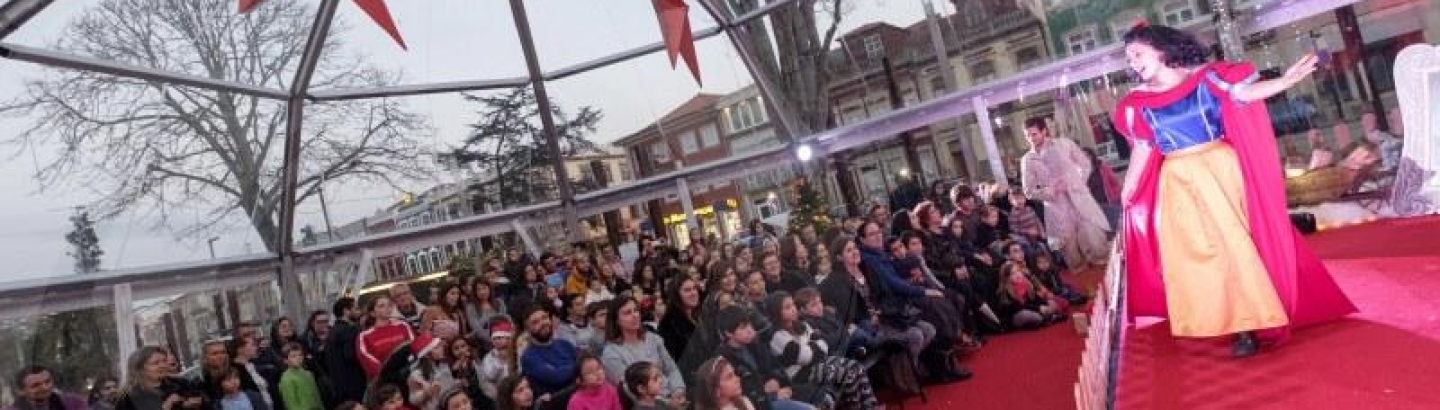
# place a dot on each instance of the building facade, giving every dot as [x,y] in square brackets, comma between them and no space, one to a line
[688,135]
[747,127]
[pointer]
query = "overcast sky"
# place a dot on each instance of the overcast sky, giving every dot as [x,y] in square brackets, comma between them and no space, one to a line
[449,40]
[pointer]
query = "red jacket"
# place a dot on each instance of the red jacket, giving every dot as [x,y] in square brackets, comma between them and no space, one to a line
[376,343]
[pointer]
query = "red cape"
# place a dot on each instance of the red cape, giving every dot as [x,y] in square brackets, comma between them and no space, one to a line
[1305,287]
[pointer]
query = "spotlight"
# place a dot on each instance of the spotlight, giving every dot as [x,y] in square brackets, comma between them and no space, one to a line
[804,152]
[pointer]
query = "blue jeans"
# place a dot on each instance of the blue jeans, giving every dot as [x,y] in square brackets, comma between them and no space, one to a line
[864,336]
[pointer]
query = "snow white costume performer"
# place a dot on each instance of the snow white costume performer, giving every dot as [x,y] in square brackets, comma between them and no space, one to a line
[1208,239]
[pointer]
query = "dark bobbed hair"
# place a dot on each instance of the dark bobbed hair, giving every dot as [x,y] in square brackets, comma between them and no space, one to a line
[637,376]
[1036,123]
[28,371]
[505,390]
[961,191]
[1177,48]
[341,305]
[95,389]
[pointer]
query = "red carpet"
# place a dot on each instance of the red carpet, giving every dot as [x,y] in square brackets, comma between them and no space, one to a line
[1024,370]
[1385,357]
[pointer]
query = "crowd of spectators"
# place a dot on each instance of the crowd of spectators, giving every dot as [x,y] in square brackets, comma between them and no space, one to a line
[770,320]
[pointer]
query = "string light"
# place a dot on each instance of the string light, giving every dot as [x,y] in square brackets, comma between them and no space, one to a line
[1229,42]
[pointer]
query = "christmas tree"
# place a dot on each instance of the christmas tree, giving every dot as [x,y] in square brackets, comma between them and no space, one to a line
[809,207]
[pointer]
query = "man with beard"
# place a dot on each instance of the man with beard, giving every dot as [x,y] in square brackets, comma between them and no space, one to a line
[549,364]
[407,308]
[346,375]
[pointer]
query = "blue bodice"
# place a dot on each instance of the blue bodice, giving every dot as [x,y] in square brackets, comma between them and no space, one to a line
[1189,121]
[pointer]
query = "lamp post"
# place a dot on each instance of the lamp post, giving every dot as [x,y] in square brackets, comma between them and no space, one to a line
[211,243]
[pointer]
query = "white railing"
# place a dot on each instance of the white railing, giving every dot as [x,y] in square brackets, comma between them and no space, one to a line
[1100,362]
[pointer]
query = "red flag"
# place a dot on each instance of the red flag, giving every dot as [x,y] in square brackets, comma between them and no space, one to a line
[675,27]
[381,14]
[246,5]
[375,8]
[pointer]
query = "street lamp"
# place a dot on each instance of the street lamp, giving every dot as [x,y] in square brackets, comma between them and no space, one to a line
[804,152]
[211,242]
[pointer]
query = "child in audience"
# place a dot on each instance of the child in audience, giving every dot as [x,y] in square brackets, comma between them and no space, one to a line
[645,383]
[1049,274]
[233,398]
[297,386]
[850,340]
[719,388]
[598,292]
[430,375]
[455,400]
[515,394]
[1024,299]
[592,392]
[388,397]
[500,362]
[764,381]
[575,327]
[805,357]
[596,314]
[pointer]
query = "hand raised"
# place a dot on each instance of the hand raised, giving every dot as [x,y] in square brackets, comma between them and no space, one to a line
[1301,69]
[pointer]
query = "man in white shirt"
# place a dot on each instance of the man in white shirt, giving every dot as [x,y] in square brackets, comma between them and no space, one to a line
[1055,170]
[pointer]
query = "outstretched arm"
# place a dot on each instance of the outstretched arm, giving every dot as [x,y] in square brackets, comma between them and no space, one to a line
[1261,90]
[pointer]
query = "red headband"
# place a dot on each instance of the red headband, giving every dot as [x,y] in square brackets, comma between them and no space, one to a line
[1140,22]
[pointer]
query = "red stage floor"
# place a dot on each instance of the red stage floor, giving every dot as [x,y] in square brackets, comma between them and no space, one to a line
[1385,357]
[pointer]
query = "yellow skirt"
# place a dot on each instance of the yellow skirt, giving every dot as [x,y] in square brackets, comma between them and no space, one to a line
[1215,282]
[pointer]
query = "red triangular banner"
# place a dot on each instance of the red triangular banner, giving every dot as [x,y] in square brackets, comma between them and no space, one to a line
[675,28]
[247,5]
[381,14]
[375,8]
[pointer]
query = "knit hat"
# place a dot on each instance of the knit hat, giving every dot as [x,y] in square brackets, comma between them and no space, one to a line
[502,328]
[423,344]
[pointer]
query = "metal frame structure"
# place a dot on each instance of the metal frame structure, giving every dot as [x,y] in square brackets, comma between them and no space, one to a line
[122,287]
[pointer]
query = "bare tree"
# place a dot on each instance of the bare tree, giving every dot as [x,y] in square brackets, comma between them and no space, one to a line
[141,145]
[797,58]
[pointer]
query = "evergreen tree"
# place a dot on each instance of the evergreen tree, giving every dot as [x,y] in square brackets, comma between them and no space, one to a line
[87,245]
[810,208]
[77,345]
